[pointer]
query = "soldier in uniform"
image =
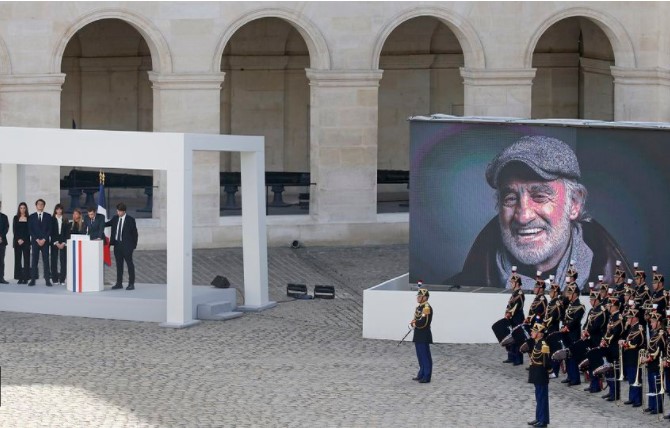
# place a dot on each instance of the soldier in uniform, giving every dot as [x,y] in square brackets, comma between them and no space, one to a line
[552,319]
[538,374]
[611,343]
[656,348]
[593,332]
[572,325]
[423,316]
[538,307]
[514,312]
[633,342]
[619,280]
[658,296]
[641,295]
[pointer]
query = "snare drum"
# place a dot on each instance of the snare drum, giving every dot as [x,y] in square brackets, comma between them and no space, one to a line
[559,344]
[502,328]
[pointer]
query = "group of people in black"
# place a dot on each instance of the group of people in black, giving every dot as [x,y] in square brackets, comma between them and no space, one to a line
[622,337]
[41,233]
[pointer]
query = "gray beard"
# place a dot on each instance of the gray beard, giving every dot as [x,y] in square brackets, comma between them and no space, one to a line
[557,240]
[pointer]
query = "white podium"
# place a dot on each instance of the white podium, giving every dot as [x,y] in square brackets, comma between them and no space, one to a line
[84,264]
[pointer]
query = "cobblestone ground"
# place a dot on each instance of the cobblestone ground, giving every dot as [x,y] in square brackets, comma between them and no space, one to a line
[303,363]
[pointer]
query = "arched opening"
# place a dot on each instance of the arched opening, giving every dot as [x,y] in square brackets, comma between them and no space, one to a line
[573,78]
[421,59]
[107,87]
[266,92]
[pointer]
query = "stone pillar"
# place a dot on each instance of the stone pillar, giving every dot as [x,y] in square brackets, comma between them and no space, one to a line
[33,101]
[190,103]
[641,94]
[502,92]
[343,156]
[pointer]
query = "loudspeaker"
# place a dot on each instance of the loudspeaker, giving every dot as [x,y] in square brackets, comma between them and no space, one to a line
[220,282]
[324,292]
[296,290]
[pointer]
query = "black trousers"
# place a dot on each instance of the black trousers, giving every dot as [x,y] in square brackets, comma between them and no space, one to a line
[56,256]
[121,254]
[44,249]
[3,248]
[22,254]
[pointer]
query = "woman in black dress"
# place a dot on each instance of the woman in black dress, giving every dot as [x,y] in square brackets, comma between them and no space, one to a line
[77,226]
[21,244]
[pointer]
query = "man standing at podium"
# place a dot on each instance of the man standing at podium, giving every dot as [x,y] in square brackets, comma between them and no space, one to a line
[39,226]
[95,224]
[124,240]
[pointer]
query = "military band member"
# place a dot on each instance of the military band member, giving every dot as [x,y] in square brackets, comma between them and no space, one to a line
[514,312]
[658,296]
[655,348]
[538,374]
[641,294]
[619,280]
[572,325]
[666,360]
[552,319]
[633,342]
[593,332]
[423,316]
[539,305]
[611,343]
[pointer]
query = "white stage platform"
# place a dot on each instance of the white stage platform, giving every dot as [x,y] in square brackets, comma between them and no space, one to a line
[146,303]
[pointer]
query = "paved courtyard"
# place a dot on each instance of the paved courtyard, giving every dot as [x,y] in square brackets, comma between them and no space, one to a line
[302,363]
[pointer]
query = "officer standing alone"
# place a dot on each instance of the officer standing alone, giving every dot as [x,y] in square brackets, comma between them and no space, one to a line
[423,316]
[538,375]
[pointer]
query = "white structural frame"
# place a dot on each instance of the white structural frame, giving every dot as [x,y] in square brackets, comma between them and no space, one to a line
[172,152]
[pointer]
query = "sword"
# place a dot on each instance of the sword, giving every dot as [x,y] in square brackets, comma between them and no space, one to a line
[405,336]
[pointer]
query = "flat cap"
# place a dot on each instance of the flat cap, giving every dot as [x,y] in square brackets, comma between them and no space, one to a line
[550,158]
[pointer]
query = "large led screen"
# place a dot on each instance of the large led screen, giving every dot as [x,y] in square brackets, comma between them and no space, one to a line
[488,196]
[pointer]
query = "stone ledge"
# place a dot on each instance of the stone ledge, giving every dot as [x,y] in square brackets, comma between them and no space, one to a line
[187,81]
[498,77]
[344,78]
[641,76]
[32,82]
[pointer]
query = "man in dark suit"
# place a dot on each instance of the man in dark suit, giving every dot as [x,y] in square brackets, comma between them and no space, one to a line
[124,240]
[39,226]
[95,224]
[4,228]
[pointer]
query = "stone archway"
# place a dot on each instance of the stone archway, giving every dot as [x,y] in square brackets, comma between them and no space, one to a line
[573,59]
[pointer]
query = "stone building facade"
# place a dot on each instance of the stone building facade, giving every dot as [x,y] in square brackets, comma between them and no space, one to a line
[328,84]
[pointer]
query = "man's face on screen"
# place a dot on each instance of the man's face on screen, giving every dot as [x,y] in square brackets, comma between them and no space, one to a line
[535,220]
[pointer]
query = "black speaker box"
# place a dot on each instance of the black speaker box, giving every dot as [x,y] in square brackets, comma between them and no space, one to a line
[296,290]
[220,282]
[324,292]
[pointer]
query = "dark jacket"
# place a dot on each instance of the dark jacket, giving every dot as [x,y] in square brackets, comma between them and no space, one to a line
[95,229]
[4,228]
[20,232]
[37,229]
[540,364]
[64,234]
[423,316]
[480,267]
[128,231]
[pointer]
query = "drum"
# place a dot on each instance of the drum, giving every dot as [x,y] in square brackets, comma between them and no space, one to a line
[527,346]
[604,369]
[578,350]
[502,328]
[558,345]
[594,359]
[521,333]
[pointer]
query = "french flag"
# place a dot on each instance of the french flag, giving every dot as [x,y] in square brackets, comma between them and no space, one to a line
[102,209]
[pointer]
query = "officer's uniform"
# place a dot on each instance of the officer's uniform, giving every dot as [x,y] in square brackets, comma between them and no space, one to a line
[633,342]
[656,347]
[552,319]
[538,374]
[593,332]
[611,341]
[423,316]
[573,321]
[514,311]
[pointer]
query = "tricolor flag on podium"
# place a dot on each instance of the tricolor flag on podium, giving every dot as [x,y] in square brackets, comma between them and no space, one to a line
[102,209]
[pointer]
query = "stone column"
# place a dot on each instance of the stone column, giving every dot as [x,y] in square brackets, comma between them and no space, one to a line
[29,100]
[190,103]
[641,94]
[502,92]
[343,144]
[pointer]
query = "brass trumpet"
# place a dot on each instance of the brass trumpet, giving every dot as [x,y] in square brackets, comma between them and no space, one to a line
[641,361]
[620,363]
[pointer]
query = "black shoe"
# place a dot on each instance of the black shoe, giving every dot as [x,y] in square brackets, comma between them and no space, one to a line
[647,410]
[540,425]
[532,422]
[654,412]
[416,378]
[48,283]
[627,402]
[637,405]
[517,364]
[565,381]
[2,281]
[606,396]
[574,383]
[130,287]
[117,287]
[666,416]
[597,390]
[421,381]
[32,282]
[588,388]
[508,361]
[611,399]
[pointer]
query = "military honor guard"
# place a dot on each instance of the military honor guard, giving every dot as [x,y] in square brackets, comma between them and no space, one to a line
[538,306]
[572,325]
[658,300]
[538,375]
[655,352]
[423,316]
[633,342]
[552,319]
[610,342]
[619,280]
[514,312]
[593,332]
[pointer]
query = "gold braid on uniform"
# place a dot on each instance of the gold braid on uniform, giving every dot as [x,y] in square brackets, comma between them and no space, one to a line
[610,326]
[511,305]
